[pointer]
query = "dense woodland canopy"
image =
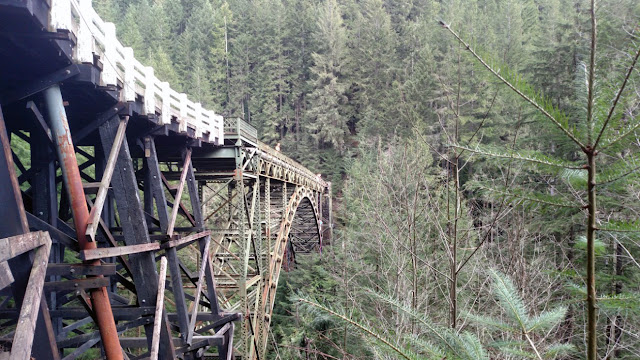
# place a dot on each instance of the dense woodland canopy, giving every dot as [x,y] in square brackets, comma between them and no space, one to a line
[464,221]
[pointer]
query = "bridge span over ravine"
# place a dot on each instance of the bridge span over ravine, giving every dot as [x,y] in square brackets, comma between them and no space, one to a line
[135,223]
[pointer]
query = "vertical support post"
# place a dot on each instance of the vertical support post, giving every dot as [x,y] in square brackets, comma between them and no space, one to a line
[240,200]
[255,238]
[284,199]
[14,223]
[134,228]
[267,232]
[45,201]
[321,217]
[263,330]
[73,183]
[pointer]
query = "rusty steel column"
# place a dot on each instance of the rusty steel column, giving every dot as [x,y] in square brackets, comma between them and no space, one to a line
[73,183]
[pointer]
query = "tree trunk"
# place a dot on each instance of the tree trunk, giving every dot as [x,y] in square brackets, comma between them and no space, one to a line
[592,316]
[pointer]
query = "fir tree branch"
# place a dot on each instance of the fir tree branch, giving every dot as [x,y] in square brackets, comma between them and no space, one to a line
[512,87]
[618,95]
[358,325]
[450,338]
[528,198]
[624,135]
[538,159]
[620,176]
[510,301]
[621,227]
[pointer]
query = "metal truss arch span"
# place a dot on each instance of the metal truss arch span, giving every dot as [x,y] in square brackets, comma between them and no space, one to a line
[266,214]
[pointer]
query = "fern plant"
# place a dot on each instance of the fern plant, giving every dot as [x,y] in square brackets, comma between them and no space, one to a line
[600,134]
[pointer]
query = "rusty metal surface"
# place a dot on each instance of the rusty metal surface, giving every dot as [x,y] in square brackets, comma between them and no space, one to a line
[75,191]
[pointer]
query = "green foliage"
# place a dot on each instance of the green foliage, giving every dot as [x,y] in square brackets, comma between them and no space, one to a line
[376,97]
[581,244]
[437,342]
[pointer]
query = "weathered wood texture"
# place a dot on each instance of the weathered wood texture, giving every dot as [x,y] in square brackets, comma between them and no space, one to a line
[143,267]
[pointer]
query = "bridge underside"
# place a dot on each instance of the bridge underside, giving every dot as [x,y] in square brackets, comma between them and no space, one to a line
[100,199]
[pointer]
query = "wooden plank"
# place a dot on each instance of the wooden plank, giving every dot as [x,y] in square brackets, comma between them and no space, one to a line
[194,195]
[201,280]
[14,222]
[96,211]
[101,253]
[91,187]
[77,284]
[162,278]
[6,277]
[76,325]
[16,245]
[227,318]
[185,240]
[176,203]
[26,327]
[227,347]
[119,313]
[81,269]
[155,180]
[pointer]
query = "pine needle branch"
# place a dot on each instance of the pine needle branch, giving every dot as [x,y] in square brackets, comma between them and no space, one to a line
[512,87]
[359,326]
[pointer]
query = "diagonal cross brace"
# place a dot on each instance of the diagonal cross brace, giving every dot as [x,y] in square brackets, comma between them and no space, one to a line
[176,203]
[96,211]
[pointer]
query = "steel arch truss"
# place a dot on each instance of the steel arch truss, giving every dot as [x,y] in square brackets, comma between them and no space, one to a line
[263,216]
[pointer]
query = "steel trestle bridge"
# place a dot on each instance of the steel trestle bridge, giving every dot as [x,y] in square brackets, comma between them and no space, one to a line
[136,224]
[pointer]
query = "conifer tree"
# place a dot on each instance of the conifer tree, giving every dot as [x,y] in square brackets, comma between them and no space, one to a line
[328,125]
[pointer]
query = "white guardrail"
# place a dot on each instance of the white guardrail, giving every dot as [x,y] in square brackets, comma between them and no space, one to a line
[94,36]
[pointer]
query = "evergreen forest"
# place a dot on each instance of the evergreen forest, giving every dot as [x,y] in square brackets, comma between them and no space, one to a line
[484,158]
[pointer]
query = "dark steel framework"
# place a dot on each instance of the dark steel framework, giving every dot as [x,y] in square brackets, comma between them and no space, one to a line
[100,200]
